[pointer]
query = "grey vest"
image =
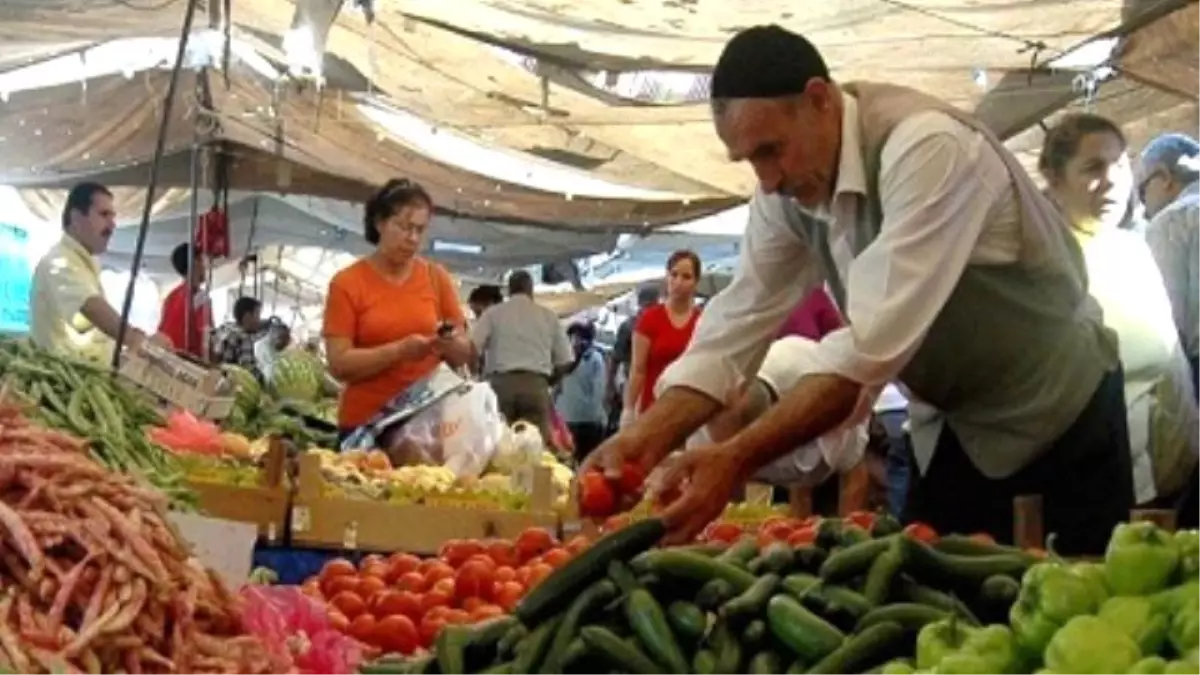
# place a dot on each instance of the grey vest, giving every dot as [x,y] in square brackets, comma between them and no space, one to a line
[1018,349]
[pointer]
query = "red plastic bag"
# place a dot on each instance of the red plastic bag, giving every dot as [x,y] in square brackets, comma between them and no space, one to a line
[296,631]
[185,432]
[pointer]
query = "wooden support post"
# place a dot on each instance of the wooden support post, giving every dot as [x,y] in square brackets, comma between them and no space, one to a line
[800,501]
[1028,531]
[854,490]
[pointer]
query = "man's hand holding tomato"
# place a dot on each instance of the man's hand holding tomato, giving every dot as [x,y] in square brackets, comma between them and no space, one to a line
[696,488]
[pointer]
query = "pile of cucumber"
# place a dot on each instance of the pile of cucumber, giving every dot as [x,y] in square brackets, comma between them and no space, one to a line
[848,603]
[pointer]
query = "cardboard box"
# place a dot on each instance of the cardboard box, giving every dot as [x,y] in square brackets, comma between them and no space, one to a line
[266,505]
[322,520]
[192,386]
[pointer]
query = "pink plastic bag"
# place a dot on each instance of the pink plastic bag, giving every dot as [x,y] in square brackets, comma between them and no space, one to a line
[185,433]
[296,631]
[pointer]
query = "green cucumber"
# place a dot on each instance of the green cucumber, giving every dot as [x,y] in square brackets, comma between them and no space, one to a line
[824,597]
[687,620]
[859,653]
[751,602]
[853,560]
[560,588]
[798,667]
[695,567]
[595,596]
[911,616]
[727,649]
[704,662]
[577,651]
[958,544]
[620,573]
[504,668]
[765,662]
[508,642]
[740,553]
[808,636]
[967,571]
[532,649]
[910,590]
[881,574]
[755,634]
[461,646]
[775,559]
[885,524]
[414,665]
[649,624]
[808,558]
[853,534]
[829,533]
[996,597]
[620,654]
[714,594]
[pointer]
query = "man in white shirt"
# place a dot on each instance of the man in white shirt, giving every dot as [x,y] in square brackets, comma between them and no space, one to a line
[524,350]
[1169,186]
[70,314]
[956,277]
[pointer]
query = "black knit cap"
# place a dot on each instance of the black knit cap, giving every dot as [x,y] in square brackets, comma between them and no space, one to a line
[766,62]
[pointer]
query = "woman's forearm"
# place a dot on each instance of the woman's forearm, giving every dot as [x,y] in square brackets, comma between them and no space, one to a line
[362,363]
[633,389]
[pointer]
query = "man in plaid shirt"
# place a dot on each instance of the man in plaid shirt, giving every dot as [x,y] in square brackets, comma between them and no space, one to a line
[236,345]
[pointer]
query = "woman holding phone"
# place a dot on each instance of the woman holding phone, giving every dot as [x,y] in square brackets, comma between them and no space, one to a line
[393,316]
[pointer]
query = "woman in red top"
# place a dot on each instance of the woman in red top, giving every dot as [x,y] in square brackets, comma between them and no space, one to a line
[662,333]
[173,322]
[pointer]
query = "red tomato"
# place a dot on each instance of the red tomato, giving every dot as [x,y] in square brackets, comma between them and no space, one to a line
[338,621]
[863,519]
[522,576]
[472,603]
[537,573]
[773,533]
[375,568]
[473,579]
[456,551]
[983,538]
[533,542]
[400,563]
[389,603]
[437,572]
[632,478]
[508,594]
[397,634]
[363,628]
[446,586]
[439,611]
[435,599]
[429,629]
[597,499]
[331,586]
[921,532]
[615,523]
[578,544]
[722,531]
[338,567]
[485,559]
[485,612]
[803,536]
[556,557]
[412,581]
[456,616]
[370,559]
[505,573]
[502,552]
[348,603]
[370,585]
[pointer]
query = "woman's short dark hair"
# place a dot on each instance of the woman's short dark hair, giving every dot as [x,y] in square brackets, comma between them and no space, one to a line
[583,329]
[1063,139]
[682,255]
[181,257]
[393,196]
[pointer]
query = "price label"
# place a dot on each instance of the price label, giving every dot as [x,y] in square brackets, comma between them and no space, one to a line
[301,519]
[350,536]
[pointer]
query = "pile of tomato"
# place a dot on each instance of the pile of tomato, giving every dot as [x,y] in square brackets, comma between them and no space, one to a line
[401,602]
[799,531]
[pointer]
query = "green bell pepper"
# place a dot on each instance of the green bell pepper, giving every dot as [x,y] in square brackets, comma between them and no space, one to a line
[1052,592]
[1087,644]
[1171,600]
[1137,619]
[1190,663]
[1184,632]
[1151,665]
[1141,559]
[951,647]
[1187,542]
[898,667]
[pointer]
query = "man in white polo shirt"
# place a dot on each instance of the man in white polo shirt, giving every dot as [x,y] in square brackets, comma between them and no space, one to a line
[69,312]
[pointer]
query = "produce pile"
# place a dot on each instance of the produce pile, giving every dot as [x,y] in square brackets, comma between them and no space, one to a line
[84,399]
[847,596]
[401,603]
[207,454]
[94,578]
[296,411]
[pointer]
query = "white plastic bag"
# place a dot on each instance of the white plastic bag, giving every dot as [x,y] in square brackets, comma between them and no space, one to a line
[460,432]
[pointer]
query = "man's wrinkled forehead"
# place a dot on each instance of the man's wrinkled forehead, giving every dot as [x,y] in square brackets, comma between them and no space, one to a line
[749,126]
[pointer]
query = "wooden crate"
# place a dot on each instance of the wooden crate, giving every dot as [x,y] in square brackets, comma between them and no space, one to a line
[266,505]
[180,382]
[321,520]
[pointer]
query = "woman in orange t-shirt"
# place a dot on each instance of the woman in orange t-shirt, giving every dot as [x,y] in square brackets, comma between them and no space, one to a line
[384,312]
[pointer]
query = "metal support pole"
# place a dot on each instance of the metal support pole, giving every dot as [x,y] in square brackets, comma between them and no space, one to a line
[159,147]
[194,213]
